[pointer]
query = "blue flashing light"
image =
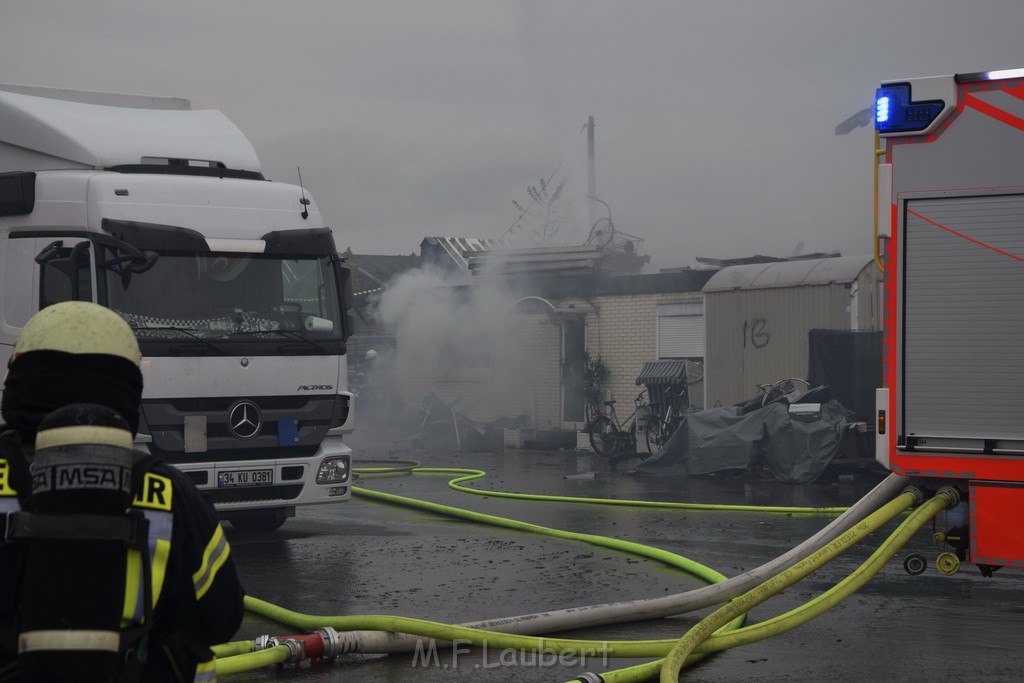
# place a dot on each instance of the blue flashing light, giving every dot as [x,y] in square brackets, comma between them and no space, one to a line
[895,112]
[882,109]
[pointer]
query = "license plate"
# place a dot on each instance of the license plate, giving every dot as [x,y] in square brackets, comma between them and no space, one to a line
[245,478]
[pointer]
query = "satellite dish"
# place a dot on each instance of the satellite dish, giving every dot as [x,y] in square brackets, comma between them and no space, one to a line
[602,233]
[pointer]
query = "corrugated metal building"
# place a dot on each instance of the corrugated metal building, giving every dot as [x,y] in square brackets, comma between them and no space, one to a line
[758,316]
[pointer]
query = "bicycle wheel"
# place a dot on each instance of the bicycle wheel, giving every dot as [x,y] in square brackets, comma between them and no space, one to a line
[656,435]
[781,388]
[603,435]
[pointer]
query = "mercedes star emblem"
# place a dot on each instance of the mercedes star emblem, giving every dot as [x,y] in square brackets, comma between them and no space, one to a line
[244,420]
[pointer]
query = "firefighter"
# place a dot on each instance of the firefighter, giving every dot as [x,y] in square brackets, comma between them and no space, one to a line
[176,592]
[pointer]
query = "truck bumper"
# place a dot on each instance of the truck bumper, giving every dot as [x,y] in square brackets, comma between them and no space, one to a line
[276,482]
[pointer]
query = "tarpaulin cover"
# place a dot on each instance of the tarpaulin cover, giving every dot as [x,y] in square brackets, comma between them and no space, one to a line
[723,439]
[850,364]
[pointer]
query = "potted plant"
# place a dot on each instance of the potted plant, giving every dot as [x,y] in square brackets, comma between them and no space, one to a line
[591,373]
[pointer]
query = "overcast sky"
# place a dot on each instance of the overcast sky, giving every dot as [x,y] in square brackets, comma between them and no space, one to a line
[714,118]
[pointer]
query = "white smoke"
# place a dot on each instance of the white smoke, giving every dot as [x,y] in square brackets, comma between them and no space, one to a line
[455,338]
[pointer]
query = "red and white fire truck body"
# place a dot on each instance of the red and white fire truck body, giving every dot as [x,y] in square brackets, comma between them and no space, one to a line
[951,222]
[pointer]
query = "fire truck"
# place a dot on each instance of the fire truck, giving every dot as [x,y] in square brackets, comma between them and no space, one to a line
[950,238]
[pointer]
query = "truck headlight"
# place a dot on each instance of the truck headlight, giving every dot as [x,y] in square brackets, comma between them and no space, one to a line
[333,471]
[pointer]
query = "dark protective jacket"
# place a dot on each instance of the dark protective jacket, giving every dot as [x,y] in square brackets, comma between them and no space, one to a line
[197,597]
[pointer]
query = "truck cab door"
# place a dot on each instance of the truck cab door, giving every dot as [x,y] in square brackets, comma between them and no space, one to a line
[29,283]
[19,288]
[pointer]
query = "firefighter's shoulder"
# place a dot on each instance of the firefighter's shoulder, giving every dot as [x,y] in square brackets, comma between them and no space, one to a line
[161,486]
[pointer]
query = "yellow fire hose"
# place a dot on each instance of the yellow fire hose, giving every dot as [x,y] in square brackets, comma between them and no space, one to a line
[231,657]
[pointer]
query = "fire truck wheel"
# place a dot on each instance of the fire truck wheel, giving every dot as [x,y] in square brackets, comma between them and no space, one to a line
[915,564]
[947,563]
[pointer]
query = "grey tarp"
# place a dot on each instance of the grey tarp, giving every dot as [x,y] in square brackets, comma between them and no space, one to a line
[722,439]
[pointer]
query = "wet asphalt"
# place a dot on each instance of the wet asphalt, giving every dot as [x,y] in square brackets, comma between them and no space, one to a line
[364,557]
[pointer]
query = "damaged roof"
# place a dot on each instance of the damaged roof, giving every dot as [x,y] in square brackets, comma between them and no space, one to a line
[372,271]
[485,256]
[838,270]
[448,251]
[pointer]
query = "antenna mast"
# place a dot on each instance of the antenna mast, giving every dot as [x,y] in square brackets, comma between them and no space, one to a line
[591,175]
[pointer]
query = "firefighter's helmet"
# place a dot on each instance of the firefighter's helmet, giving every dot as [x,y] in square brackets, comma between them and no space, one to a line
[72,352]
[79,327]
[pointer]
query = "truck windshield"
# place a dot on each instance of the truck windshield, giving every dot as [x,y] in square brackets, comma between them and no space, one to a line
[229,303]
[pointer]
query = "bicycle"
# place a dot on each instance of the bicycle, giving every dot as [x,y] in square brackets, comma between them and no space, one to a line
[783,388]
[608,436]
[665,422]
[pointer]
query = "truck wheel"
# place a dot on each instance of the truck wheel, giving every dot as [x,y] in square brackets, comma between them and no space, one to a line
[915,564]
[258,520]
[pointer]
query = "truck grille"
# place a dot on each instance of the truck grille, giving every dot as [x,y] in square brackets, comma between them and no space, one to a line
[304,419]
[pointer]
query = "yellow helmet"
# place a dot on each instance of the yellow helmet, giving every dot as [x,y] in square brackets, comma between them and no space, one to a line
[79,327]
[72,352]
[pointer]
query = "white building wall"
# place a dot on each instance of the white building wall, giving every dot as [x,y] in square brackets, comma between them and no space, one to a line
[534,369]
[624,333]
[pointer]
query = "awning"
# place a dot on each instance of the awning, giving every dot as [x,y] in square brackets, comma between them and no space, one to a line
[659,372]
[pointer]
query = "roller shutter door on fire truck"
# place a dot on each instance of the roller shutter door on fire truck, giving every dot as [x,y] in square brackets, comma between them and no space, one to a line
[963,319]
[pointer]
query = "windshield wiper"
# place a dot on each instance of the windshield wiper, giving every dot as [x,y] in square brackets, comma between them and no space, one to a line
[289,333]
[187,331]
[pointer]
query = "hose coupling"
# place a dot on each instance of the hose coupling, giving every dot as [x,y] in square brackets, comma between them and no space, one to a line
[590,677]
[295,647]
[951,494]
[918,493]
[322,644]
[264,643]
[295,650]
[331,647]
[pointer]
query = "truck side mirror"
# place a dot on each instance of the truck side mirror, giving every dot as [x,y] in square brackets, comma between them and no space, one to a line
[343,276]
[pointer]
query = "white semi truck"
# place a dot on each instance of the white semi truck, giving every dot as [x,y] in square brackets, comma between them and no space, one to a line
[232,283]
